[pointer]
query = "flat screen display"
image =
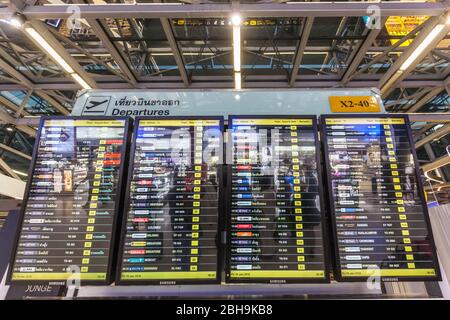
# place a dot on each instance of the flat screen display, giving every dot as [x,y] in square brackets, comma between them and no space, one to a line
[170,232]
[275,217]
[379,218]
[71,203]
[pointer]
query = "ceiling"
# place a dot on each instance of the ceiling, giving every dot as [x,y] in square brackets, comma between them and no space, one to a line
[189,44]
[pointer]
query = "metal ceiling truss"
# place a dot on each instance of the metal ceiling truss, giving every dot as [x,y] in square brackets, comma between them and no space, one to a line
[306,30]
[221,10]
[123,58]
[394,74]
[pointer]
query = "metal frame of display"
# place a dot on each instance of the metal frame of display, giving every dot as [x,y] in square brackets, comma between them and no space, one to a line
[331,209]
[325,239]
[117,205]
[220,212]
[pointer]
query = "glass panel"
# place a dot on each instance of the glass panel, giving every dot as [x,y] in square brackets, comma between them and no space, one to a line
[34,106]
[17,163]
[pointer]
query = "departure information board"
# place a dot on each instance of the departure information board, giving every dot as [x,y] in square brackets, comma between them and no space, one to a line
[170,232]
[380,220]
[71,203]
[275,219]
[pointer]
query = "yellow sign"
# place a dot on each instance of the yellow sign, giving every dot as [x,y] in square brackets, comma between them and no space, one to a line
[354,104]
[402,25]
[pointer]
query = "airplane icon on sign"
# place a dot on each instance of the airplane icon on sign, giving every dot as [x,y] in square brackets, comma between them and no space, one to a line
[96,105]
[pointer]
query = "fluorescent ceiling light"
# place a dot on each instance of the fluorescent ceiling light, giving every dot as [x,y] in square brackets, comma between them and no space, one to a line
[48,48]
[236,20]
[20,173]
[237,48]
[422,46]
[56,57]
[237,81]
[80,80]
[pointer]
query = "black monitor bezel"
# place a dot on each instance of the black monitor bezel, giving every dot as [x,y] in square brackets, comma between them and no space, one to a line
[331,209]
[117,205]
[220,212]
[325,240]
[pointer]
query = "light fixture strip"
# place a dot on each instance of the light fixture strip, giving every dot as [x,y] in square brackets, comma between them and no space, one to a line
[422,46]
[236,22]
[20,173]
[48,48]
[237,81]
[56,57]
[237,48]
[80,80]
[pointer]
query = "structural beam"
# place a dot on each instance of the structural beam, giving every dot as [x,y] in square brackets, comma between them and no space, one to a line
[427,97]
[12,106]
[168,31]
[434,136]
[361,52]
[99,30]
[4,65]
[166,10]
[299,52]
[21,110]
[6,118]
[43,30]
[7,169]
[16,152]
[206,82]
[26,84]
[395,73]
[433,117]
[55,103]
[32,121]
[436,164]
